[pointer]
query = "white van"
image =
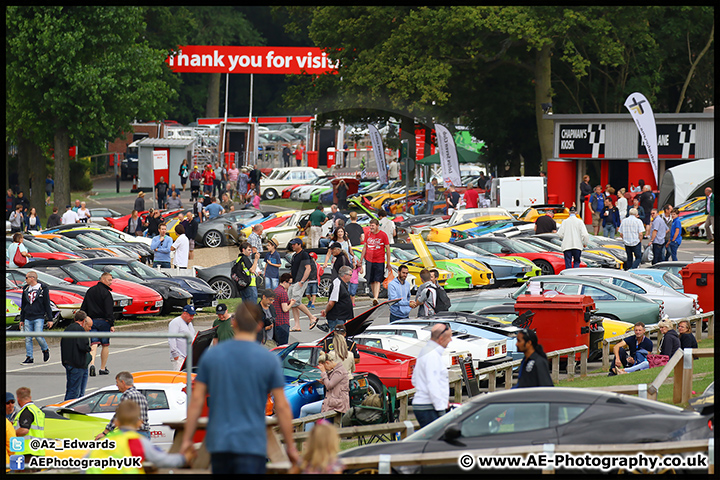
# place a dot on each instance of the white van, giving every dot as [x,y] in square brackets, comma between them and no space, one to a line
[518,193]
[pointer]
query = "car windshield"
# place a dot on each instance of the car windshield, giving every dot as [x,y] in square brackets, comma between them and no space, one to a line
[82,273]
[118,273]
[522,247]
[540,243]
[404,255]
[33,247]
[673,281]
[644,279]
[88,241]
[147,272]
[61,242]
[476,249]
[71,242]
[45,278]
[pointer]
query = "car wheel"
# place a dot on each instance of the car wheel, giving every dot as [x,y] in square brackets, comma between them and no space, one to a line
[545,267]
[224,288]
[324,286]
[270,194]
[213,239]
[374,384]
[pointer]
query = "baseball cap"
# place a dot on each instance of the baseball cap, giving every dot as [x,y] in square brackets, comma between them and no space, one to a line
[189,309]
[68,206]
[295,240]
[336,245]
[9,396]
[195,166]
[339,328]
[221,309]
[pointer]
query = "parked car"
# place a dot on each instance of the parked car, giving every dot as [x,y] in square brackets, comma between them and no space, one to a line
[167,402]
[519,417]
[38,251]
[104,238]
[100,215]
[146,301]
[610,301]
[87,240]
[203,294]
[506,272]
[671,266]
[663,277]
[174,297]
[551,263]
[410,339]
[60,243]
[272,187]
[677,305]
[592,260]
[609,253]
[67,297]
[13,300]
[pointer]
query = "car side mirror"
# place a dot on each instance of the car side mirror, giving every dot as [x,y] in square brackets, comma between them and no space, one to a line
[69,280]
[452,432]
[505,250]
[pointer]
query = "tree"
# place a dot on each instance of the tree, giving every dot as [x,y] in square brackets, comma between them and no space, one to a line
[79,71]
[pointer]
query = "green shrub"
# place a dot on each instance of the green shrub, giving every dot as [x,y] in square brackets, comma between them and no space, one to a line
[80,175]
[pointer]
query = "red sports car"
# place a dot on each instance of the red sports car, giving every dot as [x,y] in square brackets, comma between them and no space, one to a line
[119,223]
[146,301]
[39,251]
[551,263]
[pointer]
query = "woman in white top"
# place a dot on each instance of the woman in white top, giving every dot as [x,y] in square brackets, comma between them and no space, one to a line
[181,247]
[17,244]
[622,203]
[83,213]
[32,222]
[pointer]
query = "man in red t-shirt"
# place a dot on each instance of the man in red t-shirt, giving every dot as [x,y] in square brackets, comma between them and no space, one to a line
[376,252]
[471,197]
[208,177]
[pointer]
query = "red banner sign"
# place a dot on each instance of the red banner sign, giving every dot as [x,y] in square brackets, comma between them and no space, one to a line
[268,60]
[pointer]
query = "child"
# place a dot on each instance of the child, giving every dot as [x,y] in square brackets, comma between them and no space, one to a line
[321,450]
[353,287]
[128,442]
[272,266]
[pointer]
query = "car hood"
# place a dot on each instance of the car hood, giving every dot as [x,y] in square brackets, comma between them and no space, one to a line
[360,323]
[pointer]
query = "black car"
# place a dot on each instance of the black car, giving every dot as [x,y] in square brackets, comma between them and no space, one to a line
[561,416]
[203,295]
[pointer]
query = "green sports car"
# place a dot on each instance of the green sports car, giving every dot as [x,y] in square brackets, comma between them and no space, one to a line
[461,279]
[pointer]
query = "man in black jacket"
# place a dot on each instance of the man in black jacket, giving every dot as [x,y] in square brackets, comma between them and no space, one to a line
[98,304]
[534,370]
[73,352]
[34,310]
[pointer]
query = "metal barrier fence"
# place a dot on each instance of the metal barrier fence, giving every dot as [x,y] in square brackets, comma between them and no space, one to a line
[188,339]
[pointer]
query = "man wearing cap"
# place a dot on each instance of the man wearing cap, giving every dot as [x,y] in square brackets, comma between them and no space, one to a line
[341,259]
[300,269]
[339,308]
[631,231]
[9,406]
[69,216]
[574,238]
[224,329]
[178,346]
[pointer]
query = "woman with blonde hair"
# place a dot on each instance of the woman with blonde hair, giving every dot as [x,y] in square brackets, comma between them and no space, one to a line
[337,387]
[321,450]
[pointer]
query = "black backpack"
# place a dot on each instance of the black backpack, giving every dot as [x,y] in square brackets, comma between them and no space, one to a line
[237,272]
[442,301]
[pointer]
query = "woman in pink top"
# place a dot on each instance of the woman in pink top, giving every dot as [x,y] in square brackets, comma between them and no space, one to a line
[233,173]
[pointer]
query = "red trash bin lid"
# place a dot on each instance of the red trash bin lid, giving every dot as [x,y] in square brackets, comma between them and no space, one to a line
[558,301]
[697,267]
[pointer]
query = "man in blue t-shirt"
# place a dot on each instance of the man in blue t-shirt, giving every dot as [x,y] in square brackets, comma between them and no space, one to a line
[238,375]
[214,210]
[625,359]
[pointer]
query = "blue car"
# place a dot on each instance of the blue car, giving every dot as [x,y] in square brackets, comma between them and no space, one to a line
[663,277]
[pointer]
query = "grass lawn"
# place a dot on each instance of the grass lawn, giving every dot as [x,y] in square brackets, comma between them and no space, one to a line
[291,204]
[703,372]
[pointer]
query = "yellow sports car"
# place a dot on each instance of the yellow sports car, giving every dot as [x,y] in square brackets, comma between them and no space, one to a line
[413,270]
[532,213]
[443,234]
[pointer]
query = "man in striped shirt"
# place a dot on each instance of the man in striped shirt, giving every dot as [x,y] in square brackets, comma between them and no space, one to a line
[125,383]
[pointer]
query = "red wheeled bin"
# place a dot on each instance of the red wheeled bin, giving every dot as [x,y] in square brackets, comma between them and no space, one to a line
[699,278]
[563,321]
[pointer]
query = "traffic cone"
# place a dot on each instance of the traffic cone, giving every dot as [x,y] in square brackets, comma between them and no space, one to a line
[134,187]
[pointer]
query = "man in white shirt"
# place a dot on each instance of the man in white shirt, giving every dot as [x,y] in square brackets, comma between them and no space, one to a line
[387,226]
[574,238]
[631,231]
[70,216]
[430,377]
[393,170]
[178,346]
[181,247]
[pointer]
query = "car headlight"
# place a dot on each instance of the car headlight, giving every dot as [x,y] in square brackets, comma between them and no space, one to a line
[197,285]
[180,292]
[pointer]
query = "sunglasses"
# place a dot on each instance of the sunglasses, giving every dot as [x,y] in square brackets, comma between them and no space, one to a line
[11,402]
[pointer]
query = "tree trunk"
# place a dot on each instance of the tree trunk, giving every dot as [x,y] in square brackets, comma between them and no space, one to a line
[61,141]
[407,132]
[543,94]
[213,96]
[38,173]
[692,69]
[24,149]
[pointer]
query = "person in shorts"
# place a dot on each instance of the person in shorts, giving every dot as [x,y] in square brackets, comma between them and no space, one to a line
[98,304]
[376,253]
[300,269]
[312,285]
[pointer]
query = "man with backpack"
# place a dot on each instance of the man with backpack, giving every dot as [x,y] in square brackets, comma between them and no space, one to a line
[243,273]
[431,296]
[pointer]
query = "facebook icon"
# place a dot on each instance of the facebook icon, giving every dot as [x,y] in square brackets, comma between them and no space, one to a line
[17,462]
